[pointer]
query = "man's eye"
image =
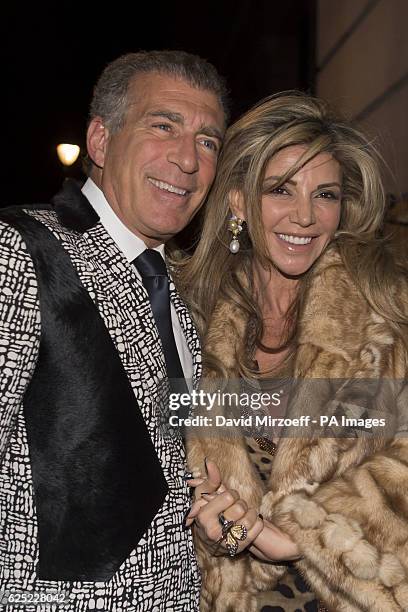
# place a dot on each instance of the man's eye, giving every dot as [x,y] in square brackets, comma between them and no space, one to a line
[210,144]
[163,126]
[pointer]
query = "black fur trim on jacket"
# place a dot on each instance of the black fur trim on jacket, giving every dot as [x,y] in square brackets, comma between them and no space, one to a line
[73,209]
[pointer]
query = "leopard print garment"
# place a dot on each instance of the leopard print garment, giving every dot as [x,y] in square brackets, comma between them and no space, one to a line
[291,594]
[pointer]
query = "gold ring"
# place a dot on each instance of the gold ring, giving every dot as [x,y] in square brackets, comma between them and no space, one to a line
[232,534]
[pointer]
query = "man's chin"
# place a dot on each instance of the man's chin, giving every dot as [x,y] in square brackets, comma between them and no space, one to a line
[155,238]
[168,231]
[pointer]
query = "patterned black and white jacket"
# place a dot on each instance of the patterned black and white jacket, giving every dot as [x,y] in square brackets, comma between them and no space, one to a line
[91,483]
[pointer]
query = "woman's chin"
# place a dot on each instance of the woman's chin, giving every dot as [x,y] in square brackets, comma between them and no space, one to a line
[294,271]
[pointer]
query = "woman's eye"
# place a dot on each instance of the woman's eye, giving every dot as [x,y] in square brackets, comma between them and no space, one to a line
[328,195]
[279,191]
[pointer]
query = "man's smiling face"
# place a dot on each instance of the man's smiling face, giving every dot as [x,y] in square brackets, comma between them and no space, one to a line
[157,169]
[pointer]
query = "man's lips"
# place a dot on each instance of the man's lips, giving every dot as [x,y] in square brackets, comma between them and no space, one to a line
[169,187]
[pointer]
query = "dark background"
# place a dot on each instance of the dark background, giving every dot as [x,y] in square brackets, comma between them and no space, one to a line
[52,57]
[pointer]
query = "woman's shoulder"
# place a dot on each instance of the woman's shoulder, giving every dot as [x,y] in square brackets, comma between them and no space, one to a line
[374,272]
[350,315]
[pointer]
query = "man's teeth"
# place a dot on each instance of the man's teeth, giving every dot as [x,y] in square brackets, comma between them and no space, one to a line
[168,187]
[295,239]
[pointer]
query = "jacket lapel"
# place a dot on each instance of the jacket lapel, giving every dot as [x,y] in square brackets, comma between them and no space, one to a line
[189,330]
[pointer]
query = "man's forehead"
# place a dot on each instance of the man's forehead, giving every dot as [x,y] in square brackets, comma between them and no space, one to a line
[153,91]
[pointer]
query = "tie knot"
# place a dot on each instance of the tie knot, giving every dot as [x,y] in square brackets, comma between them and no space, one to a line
[150,263]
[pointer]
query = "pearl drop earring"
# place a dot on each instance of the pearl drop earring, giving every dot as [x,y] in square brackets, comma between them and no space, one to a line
[235,227]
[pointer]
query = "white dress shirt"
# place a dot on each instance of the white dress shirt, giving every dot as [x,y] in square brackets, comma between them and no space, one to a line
[132,246]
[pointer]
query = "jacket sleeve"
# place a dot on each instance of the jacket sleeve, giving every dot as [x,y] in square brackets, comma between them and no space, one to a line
[352,530]
[19,328]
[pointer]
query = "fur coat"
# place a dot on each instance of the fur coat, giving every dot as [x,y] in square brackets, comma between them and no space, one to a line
[343,500]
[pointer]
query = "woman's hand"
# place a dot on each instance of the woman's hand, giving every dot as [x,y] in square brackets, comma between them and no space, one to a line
[272,544]
[212,499]
[264,539]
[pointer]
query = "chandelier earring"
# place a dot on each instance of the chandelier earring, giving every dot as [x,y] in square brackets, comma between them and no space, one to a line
[235,227]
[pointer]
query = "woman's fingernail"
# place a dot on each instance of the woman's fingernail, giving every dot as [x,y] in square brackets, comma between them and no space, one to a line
[202,494]
[185,517]
[193,474]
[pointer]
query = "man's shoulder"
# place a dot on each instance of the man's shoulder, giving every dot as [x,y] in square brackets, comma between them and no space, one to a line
[68,212]
[14,217]
[19,227]
[10,215]
[9,221]
[14,254]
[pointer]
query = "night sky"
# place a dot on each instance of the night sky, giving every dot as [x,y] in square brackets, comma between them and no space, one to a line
[52,57]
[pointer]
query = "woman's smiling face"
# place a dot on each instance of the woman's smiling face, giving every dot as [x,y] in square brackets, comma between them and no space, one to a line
[301,216]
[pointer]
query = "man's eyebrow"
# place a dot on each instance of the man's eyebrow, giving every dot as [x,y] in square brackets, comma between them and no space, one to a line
[207,130]
[171,116]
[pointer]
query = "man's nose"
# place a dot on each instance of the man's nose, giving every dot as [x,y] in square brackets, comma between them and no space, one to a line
[303,211]
[183,153]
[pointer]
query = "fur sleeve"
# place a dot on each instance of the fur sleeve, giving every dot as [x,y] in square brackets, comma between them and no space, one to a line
[19,327]
[353,529]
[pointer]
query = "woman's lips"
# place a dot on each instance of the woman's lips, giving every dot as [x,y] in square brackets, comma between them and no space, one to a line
[295,242]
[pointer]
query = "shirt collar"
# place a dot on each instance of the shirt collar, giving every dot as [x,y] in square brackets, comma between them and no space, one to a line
[131,245]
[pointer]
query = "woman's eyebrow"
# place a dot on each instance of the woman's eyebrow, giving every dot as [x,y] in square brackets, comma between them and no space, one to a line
[323,185]
[277,179]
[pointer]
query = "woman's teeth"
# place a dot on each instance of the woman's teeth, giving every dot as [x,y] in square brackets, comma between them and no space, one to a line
[295,239]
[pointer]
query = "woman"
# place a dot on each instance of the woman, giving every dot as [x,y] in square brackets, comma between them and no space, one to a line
[302,289]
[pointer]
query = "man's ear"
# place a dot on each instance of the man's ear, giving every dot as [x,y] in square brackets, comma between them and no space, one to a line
[237,205]
[96,140]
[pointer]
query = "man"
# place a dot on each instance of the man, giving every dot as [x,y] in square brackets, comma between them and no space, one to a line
[92,492]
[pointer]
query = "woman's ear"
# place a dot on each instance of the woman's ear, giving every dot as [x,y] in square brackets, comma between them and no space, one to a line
[97,138]
[236,202]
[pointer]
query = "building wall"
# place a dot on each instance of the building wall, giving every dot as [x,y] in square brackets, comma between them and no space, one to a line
[362,68]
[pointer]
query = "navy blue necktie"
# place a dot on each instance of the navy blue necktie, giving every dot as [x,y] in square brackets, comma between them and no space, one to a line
[152,269]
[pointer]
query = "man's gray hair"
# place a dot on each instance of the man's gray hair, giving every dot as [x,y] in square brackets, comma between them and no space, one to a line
[110,94]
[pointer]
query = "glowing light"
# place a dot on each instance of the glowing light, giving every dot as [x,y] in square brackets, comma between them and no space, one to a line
[68,153]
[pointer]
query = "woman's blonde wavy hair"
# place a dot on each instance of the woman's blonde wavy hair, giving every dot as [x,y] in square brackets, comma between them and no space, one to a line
[279,121]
